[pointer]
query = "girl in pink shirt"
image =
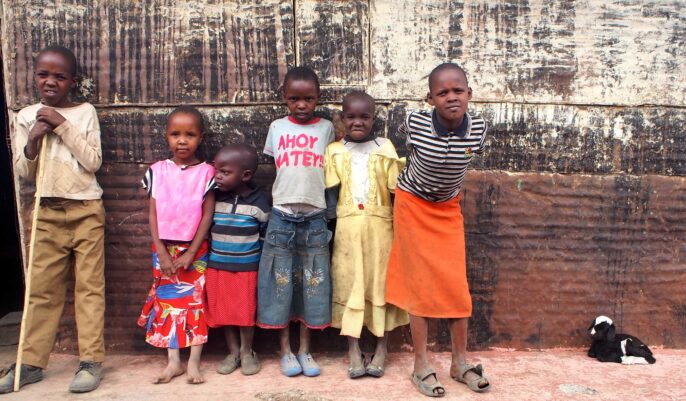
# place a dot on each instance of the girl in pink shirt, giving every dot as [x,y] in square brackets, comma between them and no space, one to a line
[181,208]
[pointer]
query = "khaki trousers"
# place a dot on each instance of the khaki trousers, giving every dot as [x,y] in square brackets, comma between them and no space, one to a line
[66,231]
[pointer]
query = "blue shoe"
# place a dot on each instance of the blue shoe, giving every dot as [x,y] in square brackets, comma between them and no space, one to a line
[309,366]
[290,366]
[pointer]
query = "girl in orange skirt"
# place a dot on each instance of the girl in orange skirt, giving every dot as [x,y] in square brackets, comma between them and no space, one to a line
[427,266]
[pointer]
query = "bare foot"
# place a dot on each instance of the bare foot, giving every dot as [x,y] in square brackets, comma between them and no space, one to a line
[173,369]
[193,375]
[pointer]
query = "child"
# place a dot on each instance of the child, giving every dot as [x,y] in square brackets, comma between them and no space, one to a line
[427,266]
[70,222]
[294,279]
[241,213]
[363,170]
[181,207]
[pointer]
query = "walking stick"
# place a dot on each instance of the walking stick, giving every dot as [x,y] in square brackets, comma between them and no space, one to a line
[32,245]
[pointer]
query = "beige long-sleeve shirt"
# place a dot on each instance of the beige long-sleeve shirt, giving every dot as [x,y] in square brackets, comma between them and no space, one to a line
[73,153]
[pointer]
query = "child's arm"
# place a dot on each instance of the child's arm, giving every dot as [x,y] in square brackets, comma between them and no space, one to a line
[333,184]
[27,146]
[86,150]
[163,257]
[185,260]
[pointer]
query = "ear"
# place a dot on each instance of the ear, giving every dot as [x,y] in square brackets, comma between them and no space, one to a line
[611,332]
[429,99]
[469,92]
[247,175]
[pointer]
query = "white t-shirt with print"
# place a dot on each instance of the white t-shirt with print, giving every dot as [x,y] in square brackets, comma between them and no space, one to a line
[298,151]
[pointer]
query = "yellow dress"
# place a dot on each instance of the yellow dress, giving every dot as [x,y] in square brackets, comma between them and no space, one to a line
[364,234]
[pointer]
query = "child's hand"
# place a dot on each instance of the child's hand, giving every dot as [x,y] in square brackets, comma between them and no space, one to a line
[38,131]
[50,116]
[166,265]
[183,261]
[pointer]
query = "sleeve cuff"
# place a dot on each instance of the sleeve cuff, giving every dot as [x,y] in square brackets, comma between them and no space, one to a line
[62,128]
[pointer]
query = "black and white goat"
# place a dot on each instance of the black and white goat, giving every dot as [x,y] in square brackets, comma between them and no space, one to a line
[608,346]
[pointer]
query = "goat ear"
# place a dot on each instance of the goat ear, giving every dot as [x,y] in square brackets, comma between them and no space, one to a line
[611,332]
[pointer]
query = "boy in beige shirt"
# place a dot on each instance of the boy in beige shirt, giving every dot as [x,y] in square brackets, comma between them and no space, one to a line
[71,221]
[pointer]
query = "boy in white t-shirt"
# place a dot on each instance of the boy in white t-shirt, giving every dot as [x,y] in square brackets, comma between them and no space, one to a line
[294,279]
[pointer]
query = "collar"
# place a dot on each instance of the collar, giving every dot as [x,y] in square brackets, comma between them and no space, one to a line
[313,120]
[461,131]
[184,166]
[347,138]
[248,198]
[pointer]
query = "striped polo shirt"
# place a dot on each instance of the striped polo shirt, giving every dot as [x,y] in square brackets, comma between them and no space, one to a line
[237,233]
[438,158]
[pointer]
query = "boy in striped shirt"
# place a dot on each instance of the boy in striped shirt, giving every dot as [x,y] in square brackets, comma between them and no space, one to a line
[240,220]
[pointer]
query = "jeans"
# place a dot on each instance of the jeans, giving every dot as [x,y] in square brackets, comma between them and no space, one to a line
[294,278]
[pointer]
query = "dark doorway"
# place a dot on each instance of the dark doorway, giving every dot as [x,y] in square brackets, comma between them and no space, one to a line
[12,283]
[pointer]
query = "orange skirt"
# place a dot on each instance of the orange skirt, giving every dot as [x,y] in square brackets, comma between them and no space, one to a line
[427,269]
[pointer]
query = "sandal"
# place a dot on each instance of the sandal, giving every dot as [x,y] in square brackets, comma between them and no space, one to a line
[355,373]
[374,370]
[290,366]
[250,365]
[310,368]
[431,390]
[473,384]
[228,365]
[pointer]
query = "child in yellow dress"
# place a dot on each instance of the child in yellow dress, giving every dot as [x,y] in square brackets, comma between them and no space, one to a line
[361,172]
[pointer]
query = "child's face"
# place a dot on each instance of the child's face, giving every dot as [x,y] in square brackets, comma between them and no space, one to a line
[229,175]
[54,79]
[183,136]
[358,118]
[301,98]
[450,95]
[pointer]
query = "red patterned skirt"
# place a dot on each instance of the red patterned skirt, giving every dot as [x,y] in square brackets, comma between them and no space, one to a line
[173,314]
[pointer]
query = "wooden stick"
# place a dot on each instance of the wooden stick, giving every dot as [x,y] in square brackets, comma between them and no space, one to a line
[32,245]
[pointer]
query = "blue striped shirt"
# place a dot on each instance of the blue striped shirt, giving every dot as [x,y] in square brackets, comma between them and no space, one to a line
[237,233]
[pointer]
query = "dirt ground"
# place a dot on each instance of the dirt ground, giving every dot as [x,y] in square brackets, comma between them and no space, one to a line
[515,375]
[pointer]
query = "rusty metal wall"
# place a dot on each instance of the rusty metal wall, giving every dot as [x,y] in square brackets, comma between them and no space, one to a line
[578,207]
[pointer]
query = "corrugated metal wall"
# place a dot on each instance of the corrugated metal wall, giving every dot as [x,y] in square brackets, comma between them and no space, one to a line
[577,209]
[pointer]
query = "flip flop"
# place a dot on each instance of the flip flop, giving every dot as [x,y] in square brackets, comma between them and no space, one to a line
[473,384]
[228,365]
[431,390]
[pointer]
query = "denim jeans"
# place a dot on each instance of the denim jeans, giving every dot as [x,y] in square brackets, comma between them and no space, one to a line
[294,278]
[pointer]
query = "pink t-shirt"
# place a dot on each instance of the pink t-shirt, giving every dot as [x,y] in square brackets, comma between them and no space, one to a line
[179,194]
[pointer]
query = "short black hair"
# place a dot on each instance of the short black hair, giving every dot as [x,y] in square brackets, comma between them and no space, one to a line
[444,67]
[301,73]
[64,52]
[189,110]
[354,95]
[248,155]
